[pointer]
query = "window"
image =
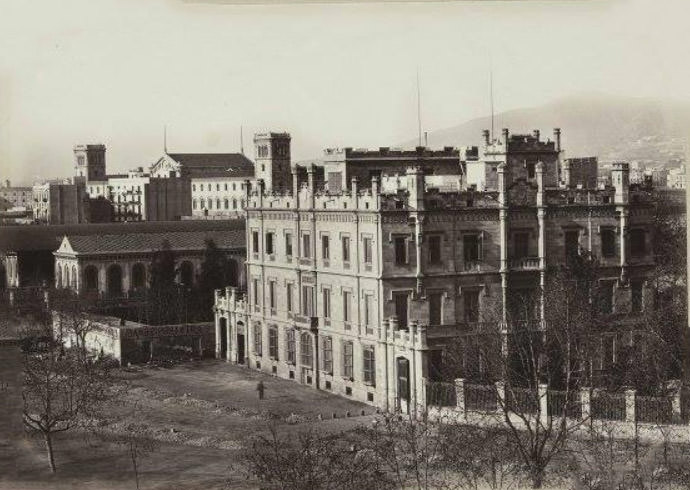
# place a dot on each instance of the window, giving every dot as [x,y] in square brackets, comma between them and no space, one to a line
[369,365]
[305,349]
[606,296]
[306,245]
[227,204]
[471,248]
[608,351]
[346,248]
[325,247]
[257,339]
[434,249]
[291,352]
[572,243]
[400,245]
[471,304]
[636,295]
[348,358]
[234,204]
[366,243]
[326,303]
[288,296]
[217,187]
[272,294]
[308,301]
[435,302]
[273,343]
[530,170]
[400,299]
[327,350]
[269,243]
[217,203]
[608,242]
[210,203]
[637,242]
[288,244]
[194,204]
[347,300]
[255,241]
[226,186]
[521,244]
[368,309]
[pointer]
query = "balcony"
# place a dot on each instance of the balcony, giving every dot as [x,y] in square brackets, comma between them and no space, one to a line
[525,264]
[472,266]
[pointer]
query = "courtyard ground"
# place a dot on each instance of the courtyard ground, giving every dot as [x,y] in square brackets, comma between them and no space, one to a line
[200,414]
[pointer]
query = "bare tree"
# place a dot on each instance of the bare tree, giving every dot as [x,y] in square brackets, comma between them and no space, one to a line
[59,387]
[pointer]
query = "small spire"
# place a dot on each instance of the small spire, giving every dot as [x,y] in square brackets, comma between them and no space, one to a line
[165,139]
[241,140]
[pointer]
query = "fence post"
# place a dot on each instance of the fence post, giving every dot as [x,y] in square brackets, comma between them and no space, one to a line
[585,403]
[543,402]
[676,413]
[501,397]
[630,405]
[460,394]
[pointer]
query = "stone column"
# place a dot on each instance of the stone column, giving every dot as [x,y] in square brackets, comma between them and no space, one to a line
[543,402]
[585,403]
[217,325]
[630,405]
[460,395]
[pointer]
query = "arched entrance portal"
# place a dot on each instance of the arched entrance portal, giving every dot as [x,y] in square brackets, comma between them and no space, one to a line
[223,338]
[240,343]
[114,281]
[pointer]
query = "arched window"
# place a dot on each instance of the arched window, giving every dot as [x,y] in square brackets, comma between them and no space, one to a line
[227,204]
[138,276]
[65,274]
[187,273]
[210,203]
[305,349]
[58,277]
[217,203]
[194,204]
[234,204]
[74,277]
[91,278]
[114,281]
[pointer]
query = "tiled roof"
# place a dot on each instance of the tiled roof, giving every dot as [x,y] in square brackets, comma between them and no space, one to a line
[233,162]
[48,237]
[150,242]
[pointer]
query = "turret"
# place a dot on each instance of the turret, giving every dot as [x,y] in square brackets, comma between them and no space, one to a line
[567,175]
[415,187]
[505,134]
[620,176]
[557,138]
[487,135]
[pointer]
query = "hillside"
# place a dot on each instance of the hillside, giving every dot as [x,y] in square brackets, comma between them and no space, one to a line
[610,127]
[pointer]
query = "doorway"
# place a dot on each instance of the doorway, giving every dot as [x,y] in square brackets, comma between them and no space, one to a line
[240,348]
[403,393]
[223,338]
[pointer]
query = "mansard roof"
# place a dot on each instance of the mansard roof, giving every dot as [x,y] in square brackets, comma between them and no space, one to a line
[151,242]
[232,163]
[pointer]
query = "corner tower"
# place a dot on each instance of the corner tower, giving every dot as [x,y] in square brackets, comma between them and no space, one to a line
[89,162]
[272,157]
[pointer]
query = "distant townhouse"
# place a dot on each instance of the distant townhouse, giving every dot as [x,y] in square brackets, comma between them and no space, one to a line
[17,196]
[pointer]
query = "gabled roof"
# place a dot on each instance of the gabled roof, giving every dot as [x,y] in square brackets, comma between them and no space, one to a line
[48,237]
[151,242]
[235,163]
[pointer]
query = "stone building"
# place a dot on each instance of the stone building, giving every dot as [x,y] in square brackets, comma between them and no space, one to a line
[60,202]
[358,292]
[17,196]
[118,265]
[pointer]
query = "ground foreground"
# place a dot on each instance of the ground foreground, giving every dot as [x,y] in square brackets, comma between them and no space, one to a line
[201,416]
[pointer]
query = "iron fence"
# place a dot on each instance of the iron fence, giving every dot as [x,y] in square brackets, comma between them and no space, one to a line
[480,398]
[608,406]
[522,400]
[653,409]
[560,403]
[441,394]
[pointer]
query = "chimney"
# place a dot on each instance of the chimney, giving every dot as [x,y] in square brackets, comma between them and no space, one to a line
[535,133]
[567,178]
[426,139]
[486,136]
[505,133]
[415,187]
[620,175]
[557,138]
[7,183]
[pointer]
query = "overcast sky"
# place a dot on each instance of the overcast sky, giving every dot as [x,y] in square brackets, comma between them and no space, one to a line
[117,71]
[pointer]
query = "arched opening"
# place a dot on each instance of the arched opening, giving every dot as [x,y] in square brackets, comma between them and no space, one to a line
[91,278]
[65,273]
[403,382]
[114,281]
[305,348]
[233,271]
[138,276]
[3,277]
[187,273]
[240,343]
[223,338]
[74,277]
[58,277]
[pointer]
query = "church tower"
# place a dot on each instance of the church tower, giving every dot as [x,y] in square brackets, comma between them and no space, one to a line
[89,162]
[272,160]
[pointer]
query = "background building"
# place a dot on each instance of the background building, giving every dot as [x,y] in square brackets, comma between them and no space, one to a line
[17,197]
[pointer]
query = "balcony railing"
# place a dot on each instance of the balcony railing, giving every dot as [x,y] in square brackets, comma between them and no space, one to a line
[525,263]
[472,266]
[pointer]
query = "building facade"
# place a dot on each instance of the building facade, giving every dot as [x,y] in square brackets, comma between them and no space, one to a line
[116,266]
[356,293]
[60,202]
[17,197]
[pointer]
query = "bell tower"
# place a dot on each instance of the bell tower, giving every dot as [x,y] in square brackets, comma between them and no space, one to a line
[272,157]
[89,162]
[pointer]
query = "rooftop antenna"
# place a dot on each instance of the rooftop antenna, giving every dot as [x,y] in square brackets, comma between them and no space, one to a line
[419,111]
[491,97]
[241,140]
[165,138]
